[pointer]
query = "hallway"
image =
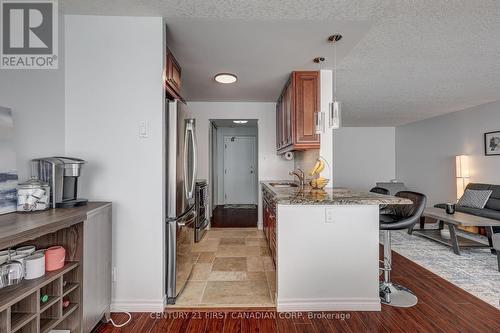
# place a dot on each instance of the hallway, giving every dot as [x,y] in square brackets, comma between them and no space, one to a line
[225,216]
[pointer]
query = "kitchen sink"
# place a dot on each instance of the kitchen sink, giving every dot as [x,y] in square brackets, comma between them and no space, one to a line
[284,185]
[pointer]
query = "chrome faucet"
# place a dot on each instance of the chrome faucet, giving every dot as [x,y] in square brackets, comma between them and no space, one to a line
[300,175]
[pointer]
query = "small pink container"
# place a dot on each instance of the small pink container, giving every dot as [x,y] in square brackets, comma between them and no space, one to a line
[54,258]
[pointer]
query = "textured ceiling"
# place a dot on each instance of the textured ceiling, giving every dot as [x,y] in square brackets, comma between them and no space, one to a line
[262,54]
[401,61]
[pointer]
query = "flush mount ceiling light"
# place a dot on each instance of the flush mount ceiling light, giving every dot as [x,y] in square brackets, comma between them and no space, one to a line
[225,78]
[240,121]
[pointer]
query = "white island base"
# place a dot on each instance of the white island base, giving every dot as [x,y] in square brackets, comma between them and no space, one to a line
[327,257]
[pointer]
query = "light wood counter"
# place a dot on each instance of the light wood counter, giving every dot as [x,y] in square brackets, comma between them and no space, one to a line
[16,228]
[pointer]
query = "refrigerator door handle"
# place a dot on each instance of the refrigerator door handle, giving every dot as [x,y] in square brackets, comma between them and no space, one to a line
[171,163]
[186,136]
[190,187]
[195,162]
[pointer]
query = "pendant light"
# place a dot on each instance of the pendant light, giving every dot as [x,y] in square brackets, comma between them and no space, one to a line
[319,117]
[335,112]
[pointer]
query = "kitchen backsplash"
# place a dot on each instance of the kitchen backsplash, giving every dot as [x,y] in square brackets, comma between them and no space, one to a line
[306,159]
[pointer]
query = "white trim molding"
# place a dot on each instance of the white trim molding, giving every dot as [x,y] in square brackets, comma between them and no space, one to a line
[140,305]
[328,304]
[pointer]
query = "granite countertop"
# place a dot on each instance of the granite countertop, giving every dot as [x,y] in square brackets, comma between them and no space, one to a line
[331,196]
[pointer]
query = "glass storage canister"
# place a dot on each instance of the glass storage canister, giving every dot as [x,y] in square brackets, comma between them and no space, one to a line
[33,195]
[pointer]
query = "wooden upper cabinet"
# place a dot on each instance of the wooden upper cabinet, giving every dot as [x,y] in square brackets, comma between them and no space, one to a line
[287,115]
[296,109]
[278,127]
[173,76]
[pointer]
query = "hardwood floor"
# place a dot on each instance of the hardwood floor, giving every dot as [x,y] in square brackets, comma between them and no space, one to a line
[442,307]
[234,217]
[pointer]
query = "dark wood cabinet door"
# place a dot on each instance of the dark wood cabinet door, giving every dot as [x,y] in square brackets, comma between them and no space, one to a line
[287,111]
[279,124]
[295,113]
[269,222]
[265,213]
[306,105]
[173,74]
[266,220]
[272,234]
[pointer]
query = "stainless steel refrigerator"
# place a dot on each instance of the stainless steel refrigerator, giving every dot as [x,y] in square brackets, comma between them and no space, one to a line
[181,180]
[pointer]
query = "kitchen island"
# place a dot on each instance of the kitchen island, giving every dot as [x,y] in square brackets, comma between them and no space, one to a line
[325,245]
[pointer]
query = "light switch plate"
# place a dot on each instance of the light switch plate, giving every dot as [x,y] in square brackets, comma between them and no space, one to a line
[329,215]
[144,129]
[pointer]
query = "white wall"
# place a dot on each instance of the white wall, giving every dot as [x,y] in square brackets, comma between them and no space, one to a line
[36,98]
[114,80]
[326,150]
[321,266]
[363,156]
[271,166]
[230,131]
[426,151]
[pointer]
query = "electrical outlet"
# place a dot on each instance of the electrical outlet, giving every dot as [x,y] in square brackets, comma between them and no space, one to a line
[329,215]
[144,129]
[113,274]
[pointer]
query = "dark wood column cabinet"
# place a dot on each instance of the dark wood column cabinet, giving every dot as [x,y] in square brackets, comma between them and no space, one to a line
[295,112]
[173,76]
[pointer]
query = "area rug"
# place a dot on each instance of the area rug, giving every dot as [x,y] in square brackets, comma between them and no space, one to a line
[474,270]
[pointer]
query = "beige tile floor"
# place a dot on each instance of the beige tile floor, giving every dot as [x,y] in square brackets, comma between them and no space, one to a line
[233,269]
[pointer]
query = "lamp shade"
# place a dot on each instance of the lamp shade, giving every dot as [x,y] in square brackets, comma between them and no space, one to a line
[463,170]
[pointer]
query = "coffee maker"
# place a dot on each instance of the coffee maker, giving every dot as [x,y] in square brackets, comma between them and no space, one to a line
[62,174]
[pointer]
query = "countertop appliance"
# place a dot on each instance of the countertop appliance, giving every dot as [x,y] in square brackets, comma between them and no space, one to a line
[181,214]
[62,175]
[201,204]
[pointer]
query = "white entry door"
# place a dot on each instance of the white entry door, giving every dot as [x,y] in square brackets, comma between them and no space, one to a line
[240,180]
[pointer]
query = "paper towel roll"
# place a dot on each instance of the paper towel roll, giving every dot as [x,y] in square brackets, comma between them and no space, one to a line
[288,156]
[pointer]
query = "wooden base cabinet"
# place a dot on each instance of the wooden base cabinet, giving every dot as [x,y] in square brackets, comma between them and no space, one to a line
[76,296]
[296,111]
[269,222]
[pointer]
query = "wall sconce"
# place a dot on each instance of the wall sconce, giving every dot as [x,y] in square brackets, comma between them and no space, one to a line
[463,174]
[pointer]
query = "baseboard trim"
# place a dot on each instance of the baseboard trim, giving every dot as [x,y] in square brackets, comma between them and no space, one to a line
[332,304]
[138,306]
